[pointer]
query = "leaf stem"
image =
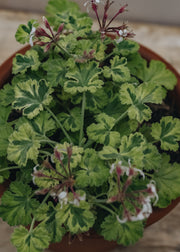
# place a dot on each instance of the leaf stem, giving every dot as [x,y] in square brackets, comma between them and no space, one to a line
[45,153]
[34,219]
[119,119]
[106,208]
[48,141]
[9,168]
[82,118]
[63,49]
[60,125]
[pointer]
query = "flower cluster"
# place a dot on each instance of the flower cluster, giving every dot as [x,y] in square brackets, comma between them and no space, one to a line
[62,191]
[105,25]
[142,204]
[41,34]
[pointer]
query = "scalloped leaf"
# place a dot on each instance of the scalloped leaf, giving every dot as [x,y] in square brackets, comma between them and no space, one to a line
[77,22]
[156,72]
[5,132]
[56,70]
[43,123]
[126,47]
[23,32]
[5,112]
[17,204]
[167,132]
[25,241]
[6,95]
[52,222]
[114,107]
[77,218]
[71,121]
[31,96]
[61,6]
[167,181]
[126,234]
[28,61]
[132,148]
[118,70]
[84,78]
[102,131]
[97,100]
[136,97]
[23,145]
[94,172]
[152,158]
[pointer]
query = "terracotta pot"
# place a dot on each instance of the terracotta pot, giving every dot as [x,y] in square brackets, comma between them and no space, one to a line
[95,242]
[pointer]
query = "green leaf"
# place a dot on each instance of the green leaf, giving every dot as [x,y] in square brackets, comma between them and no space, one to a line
[108,153]
[23,145]
[167,132]
[43,123]
[114,107]
[71,121]
[94,171]
[77,22]
[152,158]
[52,222]
[35,241]
[167,181]
[136,97]
[126,234]
[158,73]
[77,218]
[28,61]
[31,97]
[118,70]
[3,174]
[61,6]
[126,47]
[132,148]
[5,111]
[56,70]
[83,78]
[102,131]
[17,204]
[5,132]
[23,32]
[6,95]
[97,100]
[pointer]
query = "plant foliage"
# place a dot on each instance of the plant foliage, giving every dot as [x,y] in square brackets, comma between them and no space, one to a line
[82,137]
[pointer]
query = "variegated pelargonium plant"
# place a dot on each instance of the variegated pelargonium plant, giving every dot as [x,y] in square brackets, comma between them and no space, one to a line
[87,135]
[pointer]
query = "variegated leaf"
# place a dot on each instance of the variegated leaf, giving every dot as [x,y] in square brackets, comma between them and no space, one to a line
[137,97]
[118,70]
[84,78]
[94,172]
[28,61]
[32,96]
[23,145]
[102,131]
[167,132]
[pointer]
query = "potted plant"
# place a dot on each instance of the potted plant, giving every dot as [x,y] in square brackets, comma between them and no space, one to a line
[89,132]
